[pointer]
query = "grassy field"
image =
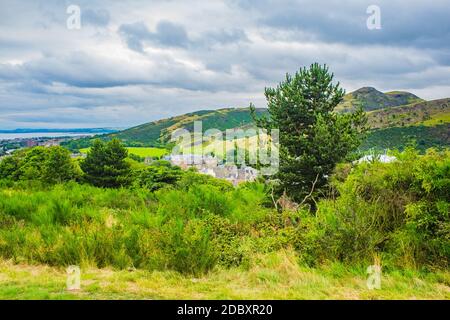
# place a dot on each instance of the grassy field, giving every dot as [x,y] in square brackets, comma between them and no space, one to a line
[274,276]
[141,152]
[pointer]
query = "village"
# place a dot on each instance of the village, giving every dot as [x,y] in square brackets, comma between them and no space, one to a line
[210,165]
[205,164]
[8,146]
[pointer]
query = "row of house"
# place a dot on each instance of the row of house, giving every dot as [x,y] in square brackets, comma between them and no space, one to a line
[193,160]
[232,173]
[210,165]
[44,142]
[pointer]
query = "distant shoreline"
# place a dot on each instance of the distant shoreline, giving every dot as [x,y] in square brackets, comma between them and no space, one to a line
[51,133]
[57,130]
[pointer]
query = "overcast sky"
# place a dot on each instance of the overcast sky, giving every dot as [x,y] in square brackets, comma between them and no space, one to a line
[136,61]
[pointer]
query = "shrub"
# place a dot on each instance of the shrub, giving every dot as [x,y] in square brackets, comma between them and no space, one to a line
[188,247]
[159,175]
[58,166]
[47,165]
[400,209]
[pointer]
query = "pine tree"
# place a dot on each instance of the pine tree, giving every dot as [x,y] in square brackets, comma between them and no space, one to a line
[313,137]
[105,165]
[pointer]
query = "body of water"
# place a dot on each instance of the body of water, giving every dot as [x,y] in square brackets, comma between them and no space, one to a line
[10,136]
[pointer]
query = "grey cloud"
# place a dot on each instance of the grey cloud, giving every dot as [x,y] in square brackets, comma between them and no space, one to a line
[225,36]
[222,57]
[134,35]
[413,23]
[98,17]
[81,70]
[166,34]
[169,34]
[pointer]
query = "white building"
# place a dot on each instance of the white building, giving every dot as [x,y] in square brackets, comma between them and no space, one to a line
[192,160]
[210,165]
[380,158]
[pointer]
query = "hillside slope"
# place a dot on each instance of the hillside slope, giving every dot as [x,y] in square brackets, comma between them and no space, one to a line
[412,114]
[423,137]
[159,131]
[372,99]
[394,112]
[426,124]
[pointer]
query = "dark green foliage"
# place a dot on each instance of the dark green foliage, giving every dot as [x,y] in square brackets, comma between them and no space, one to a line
[9,168]
[400,210]
[47,165]
[159,175]
[33,164]
[313,138]
[58,166]
[399,137]
[136,158]
[105,165]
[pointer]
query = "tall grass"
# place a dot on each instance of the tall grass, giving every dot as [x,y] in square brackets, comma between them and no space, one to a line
[80,224]
[399,211]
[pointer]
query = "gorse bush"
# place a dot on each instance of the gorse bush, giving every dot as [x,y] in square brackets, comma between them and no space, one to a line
[188,246]
[190,223]
[399,209]
[169,228]
[159,175]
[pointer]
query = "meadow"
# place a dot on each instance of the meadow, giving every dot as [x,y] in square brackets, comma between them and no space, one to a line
[142,152]
[194,236]
[270,276]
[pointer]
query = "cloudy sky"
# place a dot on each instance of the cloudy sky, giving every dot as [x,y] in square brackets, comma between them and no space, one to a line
[137,61]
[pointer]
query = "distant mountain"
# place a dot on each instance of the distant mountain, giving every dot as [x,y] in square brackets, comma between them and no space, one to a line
[372,99]
[158,132]
[398,113]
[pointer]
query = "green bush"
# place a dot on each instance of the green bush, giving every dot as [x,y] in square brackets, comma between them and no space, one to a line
[159,175]
[47,165]
[189,231]
[188,246]
[399,209]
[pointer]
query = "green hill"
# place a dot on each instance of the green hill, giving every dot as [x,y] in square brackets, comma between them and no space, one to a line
[372,99]
[159,132]
[421,113]
[396,118]
[427,124]
[423,137]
